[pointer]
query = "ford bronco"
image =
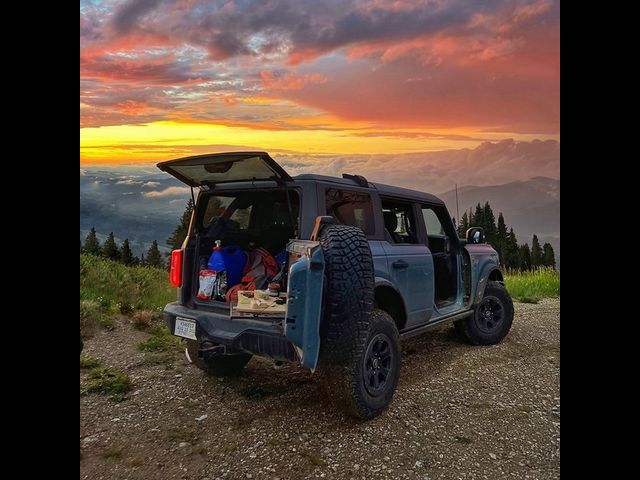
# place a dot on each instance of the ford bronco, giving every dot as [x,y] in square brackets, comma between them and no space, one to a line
[363,265]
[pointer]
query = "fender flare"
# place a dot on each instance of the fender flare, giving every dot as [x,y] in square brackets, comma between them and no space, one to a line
[487,273]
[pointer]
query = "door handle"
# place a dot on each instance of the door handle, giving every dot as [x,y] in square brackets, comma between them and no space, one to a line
[400,264]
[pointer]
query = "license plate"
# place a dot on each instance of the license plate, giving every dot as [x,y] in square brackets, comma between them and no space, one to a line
[185,328]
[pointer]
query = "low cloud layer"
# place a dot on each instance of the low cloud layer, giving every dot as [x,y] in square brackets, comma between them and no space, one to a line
[491,163]
[167,192]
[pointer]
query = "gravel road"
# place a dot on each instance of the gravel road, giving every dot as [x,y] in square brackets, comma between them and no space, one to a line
[460,412]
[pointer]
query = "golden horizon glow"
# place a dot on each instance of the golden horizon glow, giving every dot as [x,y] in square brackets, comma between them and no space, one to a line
[157,141]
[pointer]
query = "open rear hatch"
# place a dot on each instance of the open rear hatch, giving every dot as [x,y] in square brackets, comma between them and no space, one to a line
[210,169]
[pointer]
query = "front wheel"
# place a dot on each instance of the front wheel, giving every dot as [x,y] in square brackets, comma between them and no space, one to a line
[492,317]
[370,378]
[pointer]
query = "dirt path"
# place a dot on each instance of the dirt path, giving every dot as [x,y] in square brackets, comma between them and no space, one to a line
[459,412]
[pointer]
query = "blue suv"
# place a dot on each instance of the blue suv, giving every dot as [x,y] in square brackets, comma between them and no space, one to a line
[363,265]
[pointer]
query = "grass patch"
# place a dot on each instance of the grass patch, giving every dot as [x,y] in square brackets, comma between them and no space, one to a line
[313,457]
[178,434]
[124,288]
[526,299]
[161,340]
[144,320]
[90,313]
[108,381]
[112,452]
[243,422]
[135,461]
[199,450]
[152,359]
[541,283]
[87,362]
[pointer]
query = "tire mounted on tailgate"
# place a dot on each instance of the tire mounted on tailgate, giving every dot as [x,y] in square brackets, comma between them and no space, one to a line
[349,324]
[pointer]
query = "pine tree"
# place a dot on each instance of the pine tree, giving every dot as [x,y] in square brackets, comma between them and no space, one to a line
[536,252]
[478,217]
[126,255]
[110,249]
[548,256]
[525,257]
[464,225]
[91,243]
[501,238]
[512,253]
[490,230]
[154,258]
[180,232]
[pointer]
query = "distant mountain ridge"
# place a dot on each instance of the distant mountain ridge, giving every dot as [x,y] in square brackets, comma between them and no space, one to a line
[529,206]
[144,204]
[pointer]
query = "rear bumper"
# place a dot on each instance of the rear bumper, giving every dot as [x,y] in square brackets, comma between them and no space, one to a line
[259,337]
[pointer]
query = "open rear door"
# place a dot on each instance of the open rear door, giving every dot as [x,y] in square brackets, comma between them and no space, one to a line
[304,300]
[215,168]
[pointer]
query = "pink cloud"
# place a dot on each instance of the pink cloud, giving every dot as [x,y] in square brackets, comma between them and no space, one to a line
[289,81]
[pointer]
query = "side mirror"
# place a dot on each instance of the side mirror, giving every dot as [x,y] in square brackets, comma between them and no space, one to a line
[475,235]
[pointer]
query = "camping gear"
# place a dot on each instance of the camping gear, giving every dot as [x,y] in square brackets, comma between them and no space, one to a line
[207,284]
[234,263]
[228,263]
[260,267]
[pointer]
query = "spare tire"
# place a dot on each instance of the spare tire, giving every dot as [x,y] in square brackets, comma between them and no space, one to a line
[348,292]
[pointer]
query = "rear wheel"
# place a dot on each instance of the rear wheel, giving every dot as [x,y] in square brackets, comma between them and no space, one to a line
[492,317]
[367,383]
[219,365]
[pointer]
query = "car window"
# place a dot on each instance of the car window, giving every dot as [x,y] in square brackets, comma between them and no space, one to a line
[216,206]
[242,216]
[351,208]
[431,221]
[399,222]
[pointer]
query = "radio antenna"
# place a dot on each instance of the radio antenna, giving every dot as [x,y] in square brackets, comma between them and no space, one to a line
[457,206]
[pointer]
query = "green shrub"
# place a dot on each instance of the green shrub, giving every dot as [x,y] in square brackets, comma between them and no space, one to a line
[113,452]
[90,314]
[144,320]
[87,362]
[108,381]
[161,340]
[123,288]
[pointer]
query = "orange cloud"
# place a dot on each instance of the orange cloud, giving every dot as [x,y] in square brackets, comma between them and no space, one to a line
[289,81]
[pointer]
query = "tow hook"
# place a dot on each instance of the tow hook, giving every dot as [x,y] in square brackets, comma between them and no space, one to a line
[211,351]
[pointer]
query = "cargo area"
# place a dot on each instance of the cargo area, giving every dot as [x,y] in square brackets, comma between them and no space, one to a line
[241,238]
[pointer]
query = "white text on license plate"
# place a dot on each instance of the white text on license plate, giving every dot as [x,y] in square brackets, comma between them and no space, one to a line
[185,328]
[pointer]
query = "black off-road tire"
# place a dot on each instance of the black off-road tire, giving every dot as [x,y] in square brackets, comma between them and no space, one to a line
[350,324]
[364,387]
[489,328]
[218,366]
[348,292]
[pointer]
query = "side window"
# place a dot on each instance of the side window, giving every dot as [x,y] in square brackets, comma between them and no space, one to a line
[351,208]
[432,224]
[399,222]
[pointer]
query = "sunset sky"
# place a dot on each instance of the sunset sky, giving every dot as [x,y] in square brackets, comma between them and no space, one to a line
[161,79]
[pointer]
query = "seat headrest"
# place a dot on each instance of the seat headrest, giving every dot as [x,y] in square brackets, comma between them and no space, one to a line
[390,221]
